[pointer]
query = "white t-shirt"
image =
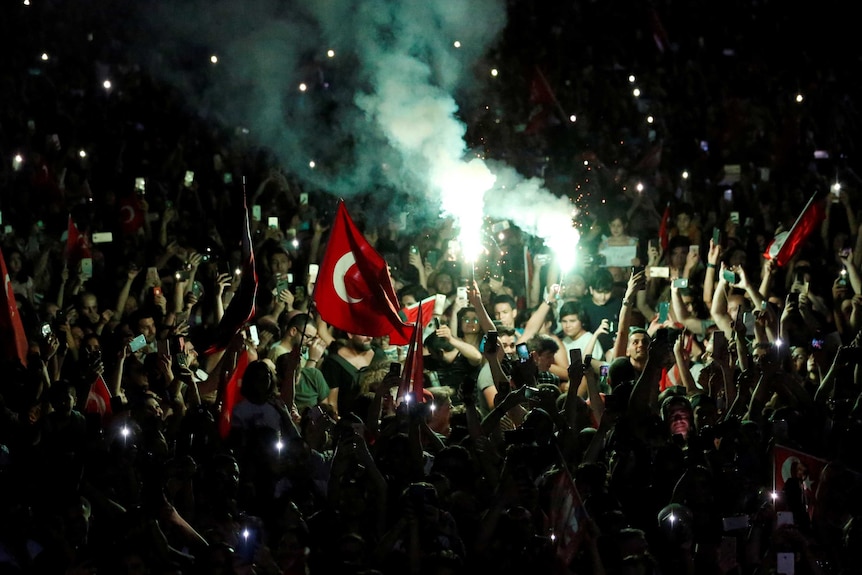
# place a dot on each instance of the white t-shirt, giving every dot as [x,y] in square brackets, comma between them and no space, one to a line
[582,342]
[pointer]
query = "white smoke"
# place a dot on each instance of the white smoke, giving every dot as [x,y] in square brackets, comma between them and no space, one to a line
[382,114]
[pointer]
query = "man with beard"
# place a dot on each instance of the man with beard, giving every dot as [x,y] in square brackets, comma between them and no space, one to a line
[342,367]
[624,371]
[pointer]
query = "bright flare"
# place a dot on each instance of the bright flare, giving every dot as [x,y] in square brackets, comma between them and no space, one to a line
[330,53]
[303,87]
[214,59]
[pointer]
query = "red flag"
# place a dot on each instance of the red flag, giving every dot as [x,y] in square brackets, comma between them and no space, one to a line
[131,214]
[664,228]
[241,308]
[565,518]
[77,244]
[412,380]
[230,395]
[14,341]
[412,311]
[354,290]
[785,245]
[99,399]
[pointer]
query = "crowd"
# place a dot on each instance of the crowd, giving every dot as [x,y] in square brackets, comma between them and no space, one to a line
[679,402]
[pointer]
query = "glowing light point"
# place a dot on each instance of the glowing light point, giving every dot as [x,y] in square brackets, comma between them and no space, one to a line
[330,53]
[82,154]
[125,431]
[640,187]
[107,85]
[214,59]
[799,98]
[494,72]
[279,445]
[778,343]
[553,536]
[836,187]
[26,2]
[685,174]
[17,161]
[631,78]
[671,518]
[636,92]
[245,534]
[456,43]
[303,87]
[295,243]
[312,164]
[573,118]
[650,119]
[44,56]
[774,496]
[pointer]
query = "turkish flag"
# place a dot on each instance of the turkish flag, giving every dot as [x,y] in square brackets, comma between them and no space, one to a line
[664,228]
[14,340]
[354,290]
[77,244]
[785,245]
[412,311]
[241,308]
[230,395]
[99,399]
[566,517]
[412,380]
[131,214]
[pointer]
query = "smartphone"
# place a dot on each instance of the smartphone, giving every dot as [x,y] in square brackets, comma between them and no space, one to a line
[734,217]
[282,284]
[680,283]
[735,522]
[662,311]
[253,335]
[182,360]
[491,342]
[522,351]
[575,356]
[313,270]
[197,289]
[141,186]
[46,329]
[719,342]
[255,212]
[730,276]
[189,178]
[659,272]
[716,236]
[272,222]
[103,237]
[462,292]
[694,249]
[87,268]
[394,369]
[604,370]
[157,291]
[163,346]
[748,322]
[432,257]
[227,178]
[138,343]
[303,199]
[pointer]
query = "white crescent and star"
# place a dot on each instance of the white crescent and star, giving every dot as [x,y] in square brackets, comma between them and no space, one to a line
[342,266]
[129,212]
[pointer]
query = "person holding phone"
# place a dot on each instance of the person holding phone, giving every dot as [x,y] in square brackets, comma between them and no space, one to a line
[299,335]
[575,333]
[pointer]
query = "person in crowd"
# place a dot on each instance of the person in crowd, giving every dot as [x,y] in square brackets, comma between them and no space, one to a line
[293,455]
